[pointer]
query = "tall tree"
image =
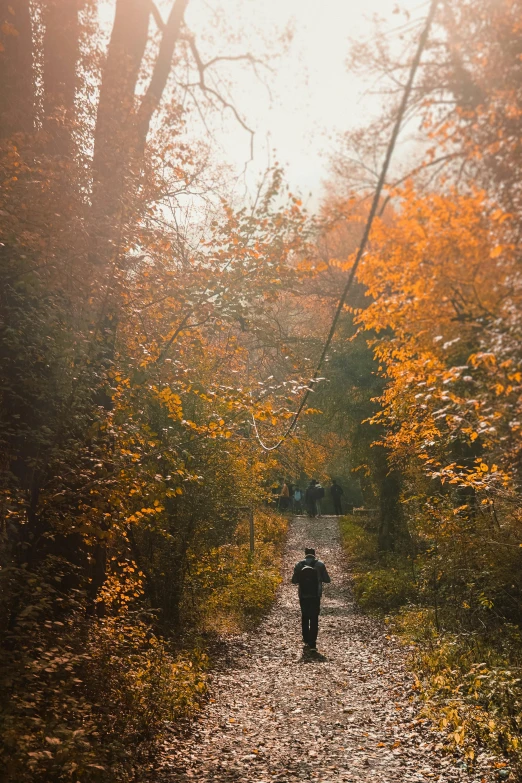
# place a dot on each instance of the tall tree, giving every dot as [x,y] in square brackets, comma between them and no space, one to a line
[61,49]
[17,88]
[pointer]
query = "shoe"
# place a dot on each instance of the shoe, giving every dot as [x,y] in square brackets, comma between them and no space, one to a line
[312,647]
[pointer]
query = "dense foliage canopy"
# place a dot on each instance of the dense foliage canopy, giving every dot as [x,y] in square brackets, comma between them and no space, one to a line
[146,319]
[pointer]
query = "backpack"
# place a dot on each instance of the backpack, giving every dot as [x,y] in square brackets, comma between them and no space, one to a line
[308,582]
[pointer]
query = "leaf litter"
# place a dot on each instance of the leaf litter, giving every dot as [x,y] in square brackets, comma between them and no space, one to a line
[347,714]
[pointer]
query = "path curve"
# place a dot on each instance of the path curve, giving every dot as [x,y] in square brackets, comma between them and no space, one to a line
[278,716]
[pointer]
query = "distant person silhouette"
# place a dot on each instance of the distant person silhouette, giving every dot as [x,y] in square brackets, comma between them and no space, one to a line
[337,492]
[284,497]
[310,499]
[298,500]
[319,495]
[310,574]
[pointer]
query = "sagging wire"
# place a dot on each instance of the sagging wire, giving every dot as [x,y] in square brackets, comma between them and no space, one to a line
[369,221]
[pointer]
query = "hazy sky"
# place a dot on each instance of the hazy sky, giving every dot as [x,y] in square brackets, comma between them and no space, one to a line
[313,96]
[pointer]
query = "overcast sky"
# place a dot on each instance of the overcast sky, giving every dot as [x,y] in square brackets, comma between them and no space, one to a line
[313,96]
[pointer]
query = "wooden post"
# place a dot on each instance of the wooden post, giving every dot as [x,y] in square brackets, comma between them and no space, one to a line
[251,519]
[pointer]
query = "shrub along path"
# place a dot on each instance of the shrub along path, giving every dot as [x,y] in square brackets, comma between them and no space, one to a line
[276,715]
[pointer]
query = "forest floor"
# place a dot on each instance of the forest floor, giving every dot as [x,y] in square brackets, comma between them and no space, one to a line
[347,714]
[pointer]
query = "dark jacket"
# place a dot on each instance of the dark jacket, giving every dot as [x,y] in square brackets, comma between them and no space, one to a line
[319,565]
[310,495]
[336,491]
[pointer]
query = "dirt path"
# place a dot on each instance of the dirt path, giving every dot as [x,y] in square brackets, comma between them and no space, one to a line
[279,716]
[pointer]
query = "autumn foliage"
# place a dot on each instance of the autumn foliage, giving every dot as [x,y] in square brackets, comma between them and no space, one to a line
[147,320]
[442,320]
[134,304]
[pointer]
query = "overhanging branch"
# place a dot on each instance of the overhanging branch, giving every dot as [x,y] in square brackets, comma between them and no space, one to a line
[157,16]
[202,67]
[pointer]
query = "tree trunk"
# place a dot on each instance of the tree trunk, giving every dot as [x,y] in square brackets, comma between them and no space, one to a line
[119,145]
[17,106]
[160,75]
[122,127]
[61,49]
[115,122]
[390,518]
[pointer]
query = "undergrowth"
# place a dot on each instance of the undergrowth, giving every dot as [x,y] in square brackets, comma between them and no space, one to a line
[469,680]
[231,589]
[381,583]
[89,698]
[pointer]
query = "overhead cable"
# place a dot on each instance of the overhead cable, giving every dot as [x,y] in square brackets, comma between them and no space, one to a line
[367,229]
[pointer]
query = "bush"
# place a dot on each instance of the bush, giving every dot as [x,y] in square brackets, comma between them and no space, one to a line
[89,698]
[381,583]
[84,695]
[247,592]
[231,589]
[471,683]
[359,544]
[384,590]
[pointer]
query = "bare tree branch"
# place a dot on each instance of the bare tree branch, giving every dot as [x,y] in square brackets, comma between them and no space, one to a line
[235,58]
[201,66]
[157,16]
[443,159]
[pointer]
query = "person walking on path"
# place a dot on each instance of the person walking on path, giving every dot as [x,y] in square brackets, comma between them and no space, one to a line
[310,499]
[336,493]
[284,497]
[298,500]
[319,495]
[310,574]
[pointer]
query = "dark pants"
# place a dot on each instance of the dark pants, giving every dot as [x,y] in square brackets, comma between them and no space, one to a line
[284,502]
[310,608]
[337,506]
[312,508]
